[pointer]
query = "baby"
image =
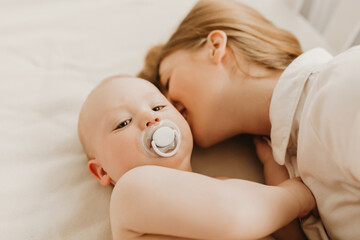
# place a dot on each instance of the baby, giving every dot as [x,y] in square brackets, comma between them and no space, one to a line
[136,140]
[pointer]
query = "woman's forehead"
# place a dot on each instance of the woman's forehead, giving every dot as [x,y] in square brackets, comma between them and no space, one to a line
[178,58]
[171,60]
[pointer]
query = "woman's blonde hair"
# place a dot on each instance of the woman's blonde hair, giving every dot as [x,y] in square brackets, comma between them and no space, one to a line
[248,34]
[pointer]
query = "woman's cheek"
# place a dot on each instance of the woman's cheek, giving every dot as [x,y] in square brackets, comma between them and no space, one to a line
[201,134]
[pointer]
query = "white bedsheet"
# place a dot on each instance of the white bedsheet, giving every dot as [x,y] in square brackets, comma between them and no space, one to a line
[52,53]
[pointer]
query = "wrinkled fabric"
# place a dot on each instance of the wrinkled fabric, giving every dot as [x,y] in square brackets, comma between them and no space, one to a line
[315,117]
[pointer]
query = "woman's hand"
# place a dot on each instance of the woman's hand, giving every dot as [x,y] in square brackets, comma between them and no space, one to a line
[274,173]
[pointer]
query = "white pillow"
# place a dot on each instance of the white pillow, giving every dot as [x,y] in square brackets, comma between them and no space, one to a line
[52,53]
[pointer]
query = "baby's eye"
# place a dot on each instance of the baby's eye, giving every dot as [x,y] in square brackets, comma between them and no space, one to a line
[123,124]
[158,108]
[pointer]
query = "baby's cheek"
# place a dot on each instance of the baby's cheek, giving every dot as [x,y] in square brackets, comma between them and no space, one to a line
[120,149]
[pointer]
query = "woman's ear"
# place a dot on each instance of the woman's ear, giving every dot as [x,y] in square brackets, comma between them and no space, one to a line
[216,42]
[98,172]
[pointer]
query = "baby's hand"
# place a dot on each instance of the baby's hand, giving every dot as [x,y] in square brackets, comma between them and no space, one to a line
[274,173]
[302,194]
[263,149]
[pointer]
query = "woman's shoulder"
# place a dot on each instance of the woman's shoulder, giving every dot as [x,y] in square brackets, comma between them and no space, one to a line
[338,82]
[334,102]
[342,69]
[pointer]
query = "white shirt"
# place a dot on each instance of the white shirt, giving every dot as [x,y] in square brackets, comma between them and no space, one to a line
[315,118]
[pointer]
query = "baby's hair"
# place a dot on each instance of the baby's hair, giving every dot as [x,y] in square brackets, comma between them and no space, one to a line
[248,33]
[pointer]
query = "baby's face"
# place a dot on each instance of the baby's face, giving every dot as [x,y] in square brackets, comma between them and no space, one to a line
[115,115]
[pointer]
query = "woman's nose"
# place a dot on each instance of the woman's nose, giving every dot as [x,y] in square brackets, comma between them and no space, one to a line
[148,119]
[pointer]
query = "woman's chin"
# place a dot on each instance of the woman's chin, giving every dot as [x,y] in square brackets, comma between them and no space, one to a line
[208,140]
[203,142]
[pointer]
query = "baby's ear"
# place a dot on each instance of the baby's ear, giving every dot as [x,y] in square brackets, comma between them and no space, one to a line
[98,172]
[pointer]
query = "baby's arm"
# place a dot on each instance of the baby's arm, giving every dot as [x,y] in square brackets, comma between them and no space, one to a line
[275,174]
[153,202]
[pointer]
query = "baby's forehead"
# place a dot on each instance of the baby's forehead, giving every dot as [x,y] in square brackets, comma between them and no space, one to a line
[125,84]
[122,89]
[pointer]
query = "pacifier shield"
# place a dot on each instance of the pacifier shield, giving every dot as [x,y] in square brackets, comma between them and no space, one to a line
[162,139]
[164,136]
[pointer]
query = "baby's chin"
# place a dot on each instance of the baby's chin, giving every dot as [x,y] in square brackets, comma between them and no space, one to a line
[184,163]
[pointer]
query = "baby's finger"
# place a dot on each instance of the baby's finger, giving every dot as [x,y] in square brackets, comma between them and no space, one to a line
[258,140]
[261,142]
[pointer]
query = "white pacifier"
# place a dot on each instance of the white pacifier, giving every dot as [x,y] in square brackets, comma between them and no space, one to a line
[162,139]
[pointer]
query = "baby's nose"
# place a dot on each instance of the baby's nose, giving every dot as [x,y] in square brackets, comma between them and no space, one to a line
[148,118]
[152,121]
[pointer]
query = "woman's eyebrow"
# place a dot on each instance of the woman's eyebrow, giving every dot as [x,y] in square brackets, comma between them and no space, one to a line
[160,76]
[158,80]
[163,79]
[161,73]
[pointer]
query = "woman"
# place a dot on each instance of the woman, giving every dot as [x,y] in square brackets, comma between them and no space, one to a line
[228,71]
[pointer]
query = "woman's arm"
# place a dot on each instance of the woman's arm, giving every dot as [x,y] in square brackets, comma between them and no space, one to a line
[150,200]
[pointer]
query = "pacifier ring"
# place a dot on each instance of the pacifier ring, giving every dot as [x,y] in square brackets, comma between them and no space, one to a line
[169,154]
[162,139]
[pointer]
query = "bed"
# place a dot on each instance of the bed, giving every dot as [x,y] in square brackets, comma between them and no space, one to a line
[52,53]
